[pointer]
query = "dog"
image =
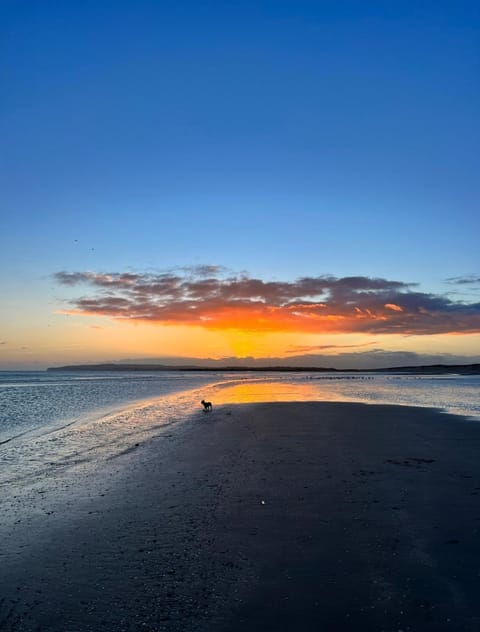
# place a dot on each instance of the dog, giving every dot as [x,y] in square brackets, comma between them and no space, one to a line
[206,405]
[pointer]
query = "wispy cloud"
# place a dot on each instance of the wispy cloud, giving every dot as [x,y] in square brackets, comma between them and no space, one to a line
[316,348]
[209,297]
[471,279]
[203,270]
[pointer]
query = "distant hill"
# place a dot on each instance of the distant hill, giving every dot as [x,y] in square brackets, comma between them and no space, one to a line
[180,367]
[433,369]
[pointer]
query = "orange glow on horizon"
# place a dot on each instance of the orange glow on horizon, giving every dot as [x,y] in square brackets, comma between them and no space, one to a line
[58,339]
[75,340]
[266,319]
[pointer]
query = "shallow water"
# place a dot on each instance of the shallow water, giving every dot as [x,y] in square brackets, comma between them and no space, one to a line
[31,400]
[53,422]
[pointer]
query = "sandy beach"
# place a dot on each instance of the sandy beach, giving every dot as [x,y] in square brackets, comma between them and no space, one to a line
[281,516]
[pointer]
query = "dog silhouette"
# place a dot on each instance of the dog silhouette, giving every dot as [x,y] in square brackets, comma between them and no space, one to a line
[206,405]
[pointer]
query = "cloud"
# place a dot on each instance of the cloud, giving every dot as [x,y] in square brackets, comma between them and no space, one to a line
[371,359]
[464,280]
[392,306]
[203,270]
[311,348]
[210,297]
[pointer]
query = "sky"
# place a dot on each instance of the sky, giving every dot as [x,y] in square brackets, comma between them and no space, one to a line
[292,179]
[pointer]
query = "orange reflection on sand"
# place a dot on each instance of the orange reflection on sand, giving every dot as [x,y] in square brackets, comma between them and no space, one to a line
[255,392]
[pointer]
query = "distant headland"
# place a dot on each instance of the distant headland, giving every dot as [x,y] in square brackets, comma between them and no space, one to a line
[433,369]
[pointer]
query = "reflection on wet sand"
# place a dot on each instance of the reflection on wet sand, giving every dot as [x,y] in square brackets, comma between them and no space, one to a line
[255,392]
[457,395]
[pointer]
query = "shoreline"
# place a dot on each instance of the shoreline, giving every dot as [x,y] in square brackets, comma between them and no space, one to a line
[271,516]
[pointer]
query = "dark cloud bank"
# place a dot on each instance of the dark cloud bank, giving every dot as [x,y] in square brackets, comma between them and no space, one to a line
[207,296]
[373,359]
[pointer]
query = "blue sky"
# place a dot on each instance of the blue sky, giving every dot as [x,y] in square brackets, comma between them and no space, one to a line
[287,139]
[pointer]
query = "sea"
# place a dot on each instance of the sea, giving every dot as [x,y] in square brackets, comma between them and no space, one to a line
[59,419]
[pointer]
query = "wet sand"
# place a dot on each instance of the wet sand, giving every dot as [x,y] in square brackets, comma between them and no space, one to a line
[278,517]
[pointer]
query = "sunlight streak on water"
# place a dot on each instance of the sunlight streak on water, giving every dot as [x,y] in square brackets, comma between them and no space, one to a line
[255,392]
[454,394]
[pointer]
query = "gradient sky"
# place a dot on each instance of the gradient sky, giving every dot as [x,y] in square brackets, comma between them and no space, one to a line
[232,150]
